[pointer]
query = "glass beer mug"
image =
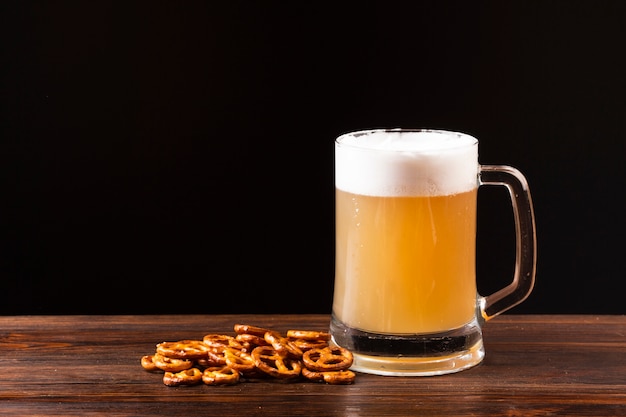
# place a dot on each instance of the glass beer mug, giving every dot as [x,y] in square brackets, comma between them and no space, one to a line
[405,299]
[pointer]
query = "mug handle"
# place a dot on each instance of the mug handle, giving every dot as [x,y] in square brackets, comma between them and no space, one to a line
[525,240]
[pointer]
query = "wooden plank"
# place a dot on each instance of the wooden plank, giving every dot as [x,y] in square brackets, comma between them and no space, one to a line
[89,365]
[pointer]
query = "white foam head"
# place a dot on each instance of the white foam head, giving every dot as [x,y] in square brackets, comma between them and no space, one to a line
[406,162]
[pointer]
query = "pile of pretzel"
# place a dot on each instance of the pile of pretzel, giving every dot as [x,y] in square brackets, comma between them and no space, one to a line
[253,352]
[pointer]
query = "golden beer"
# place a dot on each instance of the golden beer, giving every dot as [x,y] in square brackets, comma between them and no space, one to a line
[405,265]
[405,298]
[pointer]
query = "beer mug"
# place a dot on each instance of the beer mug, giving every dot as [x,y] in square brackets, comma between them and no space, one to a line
[405,299]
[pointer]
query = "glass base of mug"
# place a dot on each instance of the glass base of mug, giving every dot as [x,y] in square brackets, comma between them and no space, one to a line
[411,355]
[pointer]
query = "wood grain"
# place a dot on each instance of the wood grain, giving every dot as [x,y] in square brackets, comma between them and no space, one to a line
[89,365]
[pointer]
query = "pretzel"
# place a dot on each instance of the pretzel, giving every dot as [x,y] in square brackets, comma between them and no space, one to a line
[307,340]
[305,345]
[268,360]
[168,364]
[147,363]
[247,329]
[248,339]
[339,377]
[308,335]
[214,358]
[282,345]
[217,340]
[329,358]
[220,375]
[312,375]
[239,360]
[253,352]
[190,376]
[330,377]
[183,349]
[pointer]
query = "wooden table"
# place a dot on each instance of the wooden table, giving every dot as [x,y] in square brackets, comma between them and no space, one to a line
[552,365]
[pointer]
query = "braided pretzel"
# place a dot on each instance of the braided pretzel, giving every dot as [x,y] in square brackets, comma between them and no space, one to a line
[183,349]
[268,360]
[328,359]
[220,375]
[168,364]
[187,377]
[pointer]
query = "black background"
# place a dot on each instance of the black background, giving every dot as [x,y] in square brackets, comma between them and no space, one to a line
[177,156]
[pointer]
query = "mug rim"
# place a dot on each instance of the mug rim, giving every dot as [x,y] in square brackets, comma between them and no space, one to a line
[340,140]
